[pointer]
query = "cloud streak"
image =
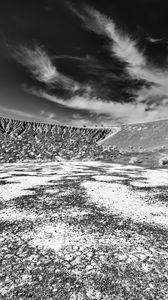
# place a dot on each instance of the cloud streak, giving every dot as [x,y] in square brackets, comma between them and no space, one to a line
[38,63]
[118,112]
[9,112]
[42,67]
[122,46]
[126,49]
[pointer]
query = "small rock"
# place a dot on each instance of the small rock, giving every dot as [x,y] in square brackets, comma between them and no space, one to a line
[102,257]
[89,254]
[146,268]
[40,277]
[89,268]
[68,257]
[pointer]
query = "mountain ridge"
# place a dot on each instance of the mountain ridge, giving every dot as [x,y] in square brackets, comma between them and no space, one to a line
[23,140]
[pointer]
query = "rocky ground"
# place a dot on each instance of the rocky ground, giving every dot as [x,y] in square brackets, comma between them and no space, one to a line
[83,230]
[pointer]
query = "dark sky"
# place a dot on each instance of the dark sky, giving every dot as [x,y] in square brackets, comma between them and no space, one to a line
[97,62]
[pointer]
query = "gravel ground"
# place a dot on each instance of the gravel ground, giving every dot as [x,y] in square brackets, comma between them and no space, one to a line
[81,231]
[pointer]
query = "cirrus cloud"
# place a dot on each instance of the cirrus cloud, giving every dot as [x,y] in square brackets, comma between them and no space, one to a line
[126,49]
[42,67]
[118,112]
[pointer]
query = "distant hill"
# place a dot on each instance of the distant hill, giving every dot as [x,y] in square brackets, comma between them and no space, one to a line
[144,136]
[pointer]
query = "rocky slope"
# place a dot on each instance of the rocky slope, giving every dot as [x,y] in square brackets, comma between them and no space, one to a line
[25,141]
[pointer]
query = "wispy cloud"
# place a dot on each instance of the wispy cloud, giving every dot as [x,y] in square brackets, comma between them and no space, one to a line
[42,116]
[42,67]
[126,49]
[10,112]
[118,112]
[78,118]
[155,40]
[123,46]
[38,62]
[93,119]
[49,116]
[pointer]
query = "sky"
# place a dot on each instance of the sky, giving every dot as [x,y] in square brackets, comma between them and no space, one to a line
[87,62]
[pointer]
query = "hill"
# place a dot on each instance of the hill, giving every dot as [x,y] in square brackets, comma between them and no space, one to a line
[25,141]
[144,144]
[144,136]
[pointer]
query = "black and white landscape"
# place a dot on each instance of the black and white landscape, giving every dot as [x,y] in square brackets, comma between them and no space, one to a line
[84,150]
[80,219]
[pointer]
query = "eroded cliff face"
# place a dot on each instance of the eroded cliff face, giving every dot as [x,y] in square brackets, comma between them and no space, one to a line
[25,141]
[14,128]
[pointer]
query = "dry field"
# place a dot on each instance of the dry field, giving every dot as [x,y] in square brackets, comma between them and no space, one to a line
[83,230]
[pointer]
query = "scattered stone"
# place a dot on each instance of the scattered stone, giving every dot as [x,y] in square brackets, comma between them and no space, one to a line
[90,254]
[102,257]
[89,268]
[68,257]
